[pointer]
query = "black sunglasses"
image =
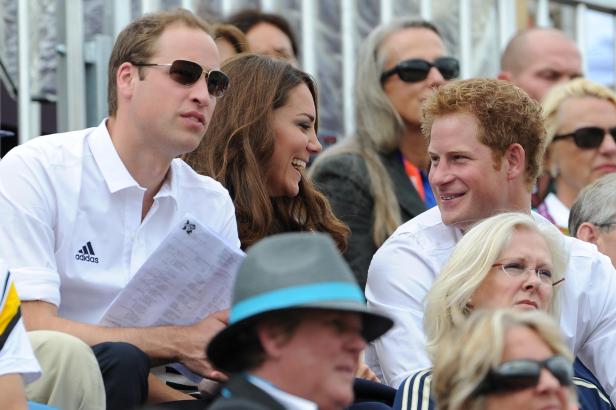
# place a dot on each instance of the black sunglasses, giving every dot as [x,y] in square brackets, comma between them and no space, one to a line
[587,137]
[187,73]
[417,69]
[525,373]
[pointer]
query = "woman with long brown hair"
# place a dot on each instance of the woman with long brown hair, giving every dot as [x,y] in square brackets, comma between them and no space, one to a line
[257,145]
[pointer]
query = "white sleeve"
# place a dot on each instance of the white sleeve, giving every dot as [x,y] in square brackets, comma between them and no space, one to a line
[27,212]
[16,356]
[229,228]
[588,316]
[399,278]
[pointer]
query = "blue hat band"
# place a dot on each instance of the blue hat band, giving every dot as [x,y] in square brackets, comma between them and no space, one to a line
[294,296]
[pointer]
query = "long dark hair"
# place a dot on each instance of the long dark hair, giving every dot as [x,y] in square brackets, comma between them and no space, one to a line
[239,144]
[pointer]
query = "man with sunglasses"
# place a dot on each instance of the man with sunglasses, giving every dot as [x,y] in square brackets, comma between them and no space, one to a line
[83,210]
[486,140]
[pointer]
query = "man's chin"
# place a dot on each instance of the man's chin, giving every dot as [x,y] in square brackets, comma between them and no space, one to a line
[340,401]
[450,218]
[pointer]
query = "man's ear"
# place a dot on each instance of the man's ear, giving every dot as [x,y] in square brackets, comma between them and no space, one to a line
[516,161]
[504,75]
[126,75]
[587,232]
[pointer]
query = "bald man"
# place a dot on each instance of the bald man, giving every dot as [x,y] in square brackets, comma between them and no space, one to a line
[537,59]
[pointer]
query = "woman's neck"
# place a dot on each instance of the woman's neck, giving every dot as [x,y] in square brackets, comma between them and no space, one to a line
[414,147]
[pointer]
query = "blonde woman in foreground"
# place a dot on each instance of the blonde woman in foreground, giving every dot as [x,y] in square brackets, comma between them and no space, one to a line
[525,364]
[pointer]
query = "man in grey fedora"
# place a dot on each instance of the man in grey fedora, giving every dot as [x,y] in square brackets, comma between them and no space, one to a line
[298,325]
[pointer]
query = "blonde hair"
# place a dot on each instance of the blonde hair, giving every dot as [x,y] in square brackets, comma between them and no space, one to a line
[470,263]
[580,87]
[465,358]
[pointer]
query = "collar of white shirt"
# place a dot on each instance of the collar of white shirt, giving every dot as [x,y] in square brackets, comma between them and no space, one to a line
[289,401]
[557,210]
[113,169]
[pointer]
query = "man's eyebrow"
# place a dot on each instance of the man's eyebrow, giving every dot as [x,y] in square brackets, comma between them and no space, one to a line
[449,153]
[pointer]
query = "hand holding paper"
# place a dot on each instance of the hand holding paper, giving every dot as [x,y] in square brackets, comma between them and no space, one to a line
[189,276]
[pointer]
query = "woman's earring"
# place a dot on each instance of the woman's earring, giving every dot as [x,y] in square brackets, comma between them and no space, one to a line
[468,308]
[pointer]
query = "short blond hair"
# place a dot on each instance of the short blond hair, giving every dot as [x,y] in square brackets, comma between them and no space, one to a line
[505,115]
[465,358]
[580,87]
[470,263]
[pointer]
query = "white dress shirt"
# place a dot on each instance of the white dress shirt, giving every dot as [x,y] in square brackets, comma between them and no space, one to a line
[404,268]
[71,230]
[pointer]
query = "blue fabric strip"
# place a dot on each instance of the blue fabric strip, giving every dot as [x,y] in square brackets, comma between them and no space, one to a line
[430,199]
[296,295]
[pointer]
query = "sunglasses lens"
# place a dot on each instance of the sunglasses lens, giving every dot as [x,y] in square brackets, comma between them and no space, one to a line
[449,67]
[217,83]
[561,369]
[517,374]
[412,71]
[185,72]
[517,382]
[590,137]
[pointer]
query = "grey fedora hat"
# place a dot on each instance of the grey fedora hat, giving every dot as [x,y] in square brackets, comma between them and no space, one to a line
[291,271]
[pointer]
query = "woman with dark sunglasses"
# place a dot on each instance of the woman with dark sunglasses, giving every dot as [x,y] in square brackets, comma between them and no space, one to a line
[580,119]
[257,146]
[376,178]
[506,261]
[525,364]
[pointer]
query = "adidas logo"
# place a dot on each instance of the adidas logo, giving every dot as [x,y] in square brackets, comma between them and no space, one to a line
[86,253]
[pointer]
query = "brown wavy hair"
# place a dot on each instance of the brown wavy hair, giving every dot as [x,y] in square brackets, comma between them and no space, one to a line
[239,144]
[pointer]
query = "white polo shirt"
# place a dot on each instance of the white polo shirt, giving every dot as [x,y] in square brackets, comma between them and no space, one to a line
[16,356]
[71,229]
[404,268]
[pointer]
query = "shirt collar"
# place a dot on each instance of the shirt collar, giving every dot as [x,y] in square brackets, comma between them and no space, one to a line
[557,210]
[288,400]
[170,186]
[113,169]
[109,162]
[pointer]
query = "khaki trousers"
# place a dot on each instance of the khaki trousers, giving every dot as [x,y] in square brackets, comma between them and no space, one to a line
[71,377]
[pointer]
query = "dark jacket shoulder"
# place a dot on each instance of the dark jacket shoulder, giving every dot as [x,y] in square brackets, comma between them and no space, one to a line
[349,165]
[240,394]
